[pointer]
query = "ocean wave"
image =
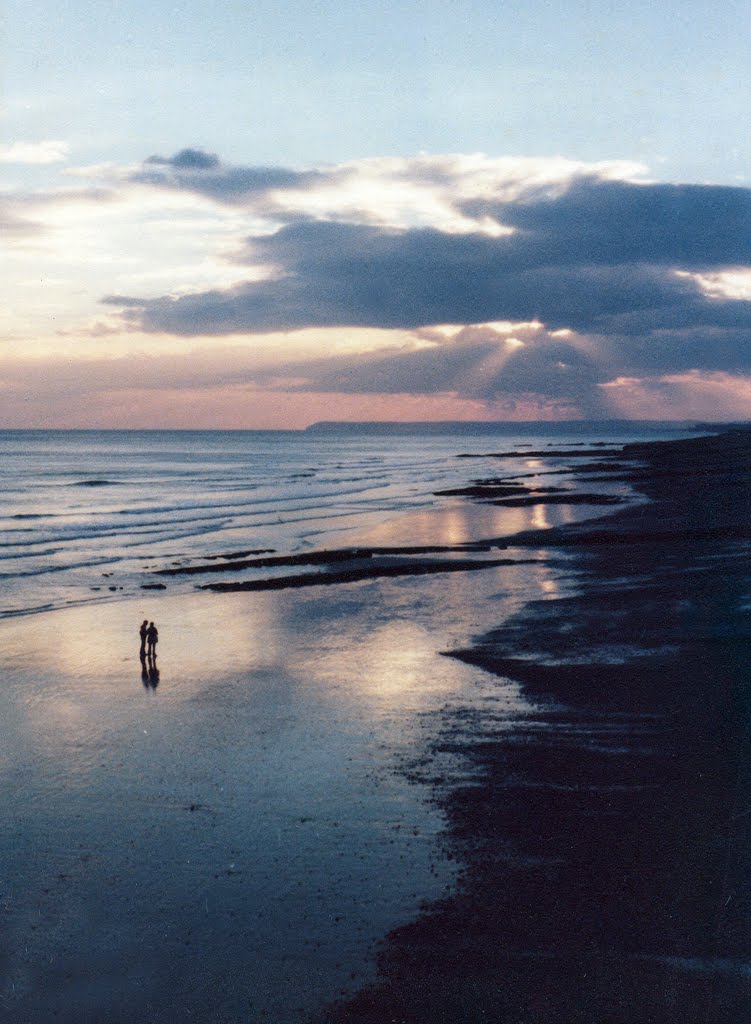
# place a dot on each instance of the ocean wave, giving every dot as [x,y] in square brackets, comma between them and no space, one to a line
[107,524]
[86,501]
[45,570]
[9,613]
[46,552]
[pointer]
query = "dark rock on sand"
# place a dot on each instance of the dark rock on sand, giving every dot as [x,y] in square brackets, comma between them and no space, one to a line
[353,574]
[565,498]
[480,490]
[543,453]
[95,483]
[242,554]
[321,558]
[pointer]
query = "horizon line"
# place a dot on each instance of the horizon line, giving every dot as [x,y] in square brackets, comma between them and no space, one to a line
[399,424]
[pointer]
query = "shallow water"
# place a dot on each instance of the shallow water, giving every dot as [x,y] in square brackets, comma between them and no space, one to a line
[86,515]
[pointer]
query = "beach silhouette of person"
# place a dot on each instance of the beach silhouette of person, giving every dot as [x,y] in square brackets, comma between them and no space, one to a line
[143,632]
[152,638]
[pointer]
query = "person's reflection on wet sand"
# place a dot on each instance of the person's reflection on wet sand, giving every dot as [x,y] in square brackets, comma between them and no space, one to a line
[153,673]
[144,672]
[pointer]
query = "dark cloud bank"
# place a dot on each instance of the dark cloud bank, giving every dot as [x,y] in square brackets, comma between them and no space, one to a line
[193,170]
[599,259]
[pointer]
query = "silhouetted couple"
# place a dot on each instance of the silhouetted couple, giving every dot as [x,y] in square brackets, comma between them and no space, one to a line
[149,639]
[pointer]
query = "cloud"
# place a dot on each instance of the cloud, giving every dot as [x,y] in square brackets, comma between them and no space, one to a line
[194,170]
[478,364]
[609,223]
[692,395]
[26,214]
[331,274]
[481,364]
[29,153]
[636,272]
[424,191]
[15,226]
[626,278]
[477,373]
[192,159]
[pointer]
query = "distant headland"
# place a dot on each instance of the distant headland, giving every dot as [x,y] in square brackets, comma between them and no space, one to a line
[553,428]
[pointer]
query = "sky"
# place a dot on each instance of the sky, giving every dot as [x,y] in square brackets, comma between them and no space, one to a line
[261,215]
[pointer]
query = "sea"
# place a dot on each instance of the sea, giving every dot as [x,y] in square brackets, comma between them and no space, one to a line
[88,516]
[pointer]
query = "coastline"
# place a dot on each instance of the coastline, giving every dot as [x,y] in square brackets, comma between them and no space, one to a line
[96,519]
[604,844]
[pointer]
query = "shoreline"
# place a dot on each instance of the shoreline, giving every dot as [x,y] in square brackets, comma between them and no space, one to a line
[87,543]
[375,561]
[605,844]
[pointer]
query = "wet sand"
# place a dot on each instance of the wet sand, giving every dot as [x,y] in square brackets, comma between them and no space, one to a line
[230,844]
[605,840]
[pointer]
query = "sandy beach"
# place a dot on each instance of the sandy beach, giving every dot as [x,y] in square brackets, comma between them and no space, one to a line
[526,785]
